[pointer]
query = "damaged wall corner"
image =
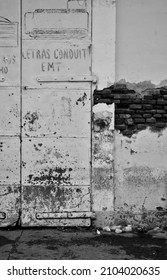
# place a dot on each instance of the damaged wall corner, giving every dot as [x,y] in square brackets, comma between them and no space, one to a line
[102,163]
[140,148]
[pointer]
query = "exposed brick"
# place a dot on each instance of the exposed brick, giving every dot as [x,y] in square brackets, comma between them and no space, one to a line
[158,106]
[124,111]
[162,102]
[148,97]
[126,101]
[165,115]
[137,101]
[156,96]
[140,111]
[161,111]
[135,106]
[119,121]
[105,100]
[163,91]
[151,111]
[165,107]
[120,127]
[145,101]
[137,116]
[141,126]
[157,115]
[117,101]
[125,96]
[123,106]
[147,106]
[129,121]
[165,97]
[151,120]
[139,120]
[117,96]
[160,124]
[147,115]
[125,116]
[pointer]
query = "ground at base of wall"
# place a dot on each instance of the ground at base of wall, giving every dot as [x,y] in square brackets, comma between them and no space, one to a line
[81,244]
[146,220]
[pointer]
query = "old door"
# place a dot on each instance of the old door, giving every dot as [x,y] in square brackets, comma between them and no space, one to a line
[56,113]
[9,112]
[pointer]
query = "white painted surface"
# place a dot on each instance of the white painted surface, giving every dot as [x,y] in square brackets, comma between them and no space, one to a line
[141,48]
[141,170]
[103,42]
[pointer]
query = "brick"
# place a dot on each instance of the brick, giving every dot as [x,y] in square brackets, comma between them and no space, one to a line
[150,111]
[135,106]
[148,97]
[148,101]
[127,101]
[158,106]
[161,111]
[137,116]
[129,121]
[125,96]
[124,111]
[141,126]
[116,101]
[165,97]
[164,115]
[125,116]
[122,106]
[160,124]
[119,121]
[120,126]
[147,115]
[151,120]
[139,120]
[139,111]
[147,106]
[137,101]
[165,107]
[157,115]
[117,96]
[162,102]
[163,91]
[107,101]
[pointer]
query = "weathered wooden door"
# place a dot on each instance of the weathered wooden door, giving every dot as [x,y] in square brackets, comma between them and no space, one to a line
[45,126]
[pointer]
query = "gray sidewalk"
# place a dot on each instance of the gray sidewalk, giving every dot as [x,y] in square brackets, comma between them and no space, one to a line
[78,244]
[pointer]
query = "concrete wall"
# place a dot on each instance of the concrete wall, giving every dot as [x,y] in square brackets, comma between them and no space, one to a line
[139,182]
[141,40]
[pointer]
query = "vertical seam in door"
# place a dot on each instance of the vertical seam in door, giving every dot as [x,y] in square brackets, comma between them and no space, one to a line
[20,107]
[91,104]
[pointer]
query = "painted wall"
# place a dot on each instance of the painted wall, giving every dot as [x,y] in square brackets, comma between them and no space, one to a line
[141,40]
[103,42]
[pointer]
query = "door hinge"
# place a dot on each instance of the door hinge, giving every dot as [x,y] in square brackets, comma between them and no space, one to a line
[65,215]
[85,78]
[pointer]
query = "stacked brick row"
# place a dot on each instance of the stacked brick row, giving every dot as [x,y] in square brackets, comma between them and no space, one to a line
[135,112]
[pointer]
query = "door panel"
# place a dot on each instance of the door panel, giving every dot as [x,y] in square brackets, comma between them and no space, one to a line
[9,112]
[54,204]
[56,113]
[45,112]
[56,161]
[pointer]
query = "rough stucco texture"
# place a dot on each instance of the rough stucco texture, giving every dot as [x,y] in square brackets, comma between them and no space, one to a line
[102,162]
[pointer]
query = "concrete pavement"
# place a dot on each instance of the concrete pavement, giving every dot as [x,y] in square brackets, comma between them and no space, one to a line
[78,244]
